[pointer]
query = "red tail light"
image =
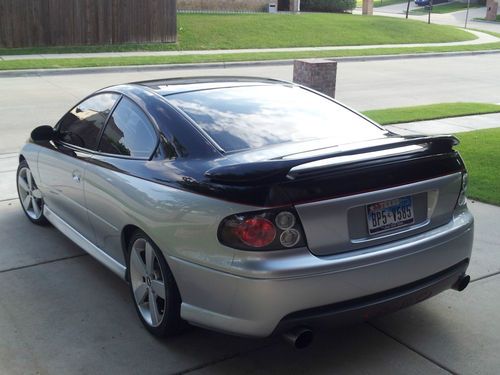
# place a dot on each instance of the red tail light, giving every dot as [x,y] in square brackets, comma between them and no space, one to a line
[256,232]
[273,229]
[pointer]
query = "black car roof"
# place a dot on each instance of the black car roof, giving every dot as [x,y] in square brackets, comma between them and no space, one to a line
[171,86]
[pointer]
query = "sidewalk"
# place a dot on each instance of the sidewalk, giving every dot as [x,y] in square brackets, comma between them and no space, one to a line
[482,38]
[449,125]
[453,18]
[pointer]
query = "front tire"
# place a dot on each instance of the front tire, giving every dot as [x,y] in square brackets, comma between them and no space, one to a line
[153,288]
[29,195]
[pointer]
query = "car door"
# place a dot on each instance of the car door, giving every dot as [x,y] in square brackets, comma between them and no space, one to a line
[62,169]
[128,141]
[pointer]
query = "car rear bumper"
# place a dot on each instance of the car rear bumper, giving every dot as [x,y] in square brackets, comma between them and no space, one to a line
[364,308]
[262,296]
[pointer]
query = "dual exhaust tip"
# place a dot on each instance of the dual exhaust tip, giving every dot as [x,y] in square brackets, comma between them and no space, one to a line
[302,337]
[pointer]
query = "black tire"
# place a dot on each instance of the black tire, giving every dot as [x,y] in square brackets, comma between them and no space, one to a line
[171,322]
[38,219]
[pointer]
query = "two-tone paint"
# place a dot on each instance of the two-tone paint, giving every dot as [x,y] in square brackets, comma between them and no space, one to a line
[184,190]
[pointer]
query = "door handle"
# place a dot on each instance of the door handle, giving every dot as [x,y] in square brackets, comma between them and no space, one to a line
[76,177]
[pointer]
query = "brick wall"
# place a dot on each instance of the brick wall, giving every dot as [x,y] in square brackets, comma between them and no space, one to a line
[318,74]
[225,5]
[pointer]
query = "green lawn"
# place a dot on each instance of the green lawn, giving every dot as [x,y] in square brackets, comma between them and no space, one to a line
[429,112]
[480,149]
[481,153]
[235,31]
[444,8]
[232,57]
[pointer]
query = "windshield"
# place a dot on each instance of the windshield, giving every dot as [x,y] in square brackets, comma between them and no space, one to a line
[239,118]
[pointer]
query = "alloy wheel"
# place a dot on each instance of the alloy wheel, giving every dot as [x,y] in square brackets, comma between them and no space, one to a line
[30,195]
[148,282]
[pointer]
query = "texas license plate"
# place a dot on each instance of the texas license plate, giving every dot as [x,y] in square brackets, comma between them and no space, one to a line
[390,214]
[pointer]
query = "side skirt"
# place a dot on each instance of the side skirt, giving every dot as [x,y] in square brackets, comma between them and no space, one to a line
[84,243]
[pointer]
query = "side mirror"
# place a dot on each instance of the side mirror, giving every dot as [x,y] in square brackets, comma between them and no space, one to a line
[43,133]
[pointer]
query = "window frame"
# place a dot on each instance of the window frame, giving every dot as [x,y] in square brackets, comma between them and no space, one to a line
[101,132]
[83,149]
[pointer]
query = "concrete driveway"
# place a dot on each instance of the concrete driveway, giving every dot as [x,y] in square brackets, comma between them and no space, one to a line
[61,312]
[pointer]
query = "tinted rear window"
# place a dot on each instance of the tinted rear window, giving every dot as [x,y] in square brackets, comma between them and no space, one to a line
[240,118]
[128,132]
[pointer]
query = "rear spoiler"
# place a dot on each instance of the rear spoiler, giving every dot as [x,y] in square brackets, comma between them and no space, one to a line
[291,168]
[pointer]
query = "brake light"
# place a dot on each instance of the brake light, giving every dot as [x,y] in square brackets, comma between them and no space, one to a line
[256,232]
[273,229]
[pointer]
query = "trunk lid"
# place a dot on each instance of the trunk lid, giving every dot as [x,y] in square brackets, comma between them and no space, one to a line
[336,189]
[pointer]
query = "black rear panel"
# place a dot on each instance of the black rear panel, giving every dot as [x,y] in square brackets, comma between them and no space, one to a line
[370,176]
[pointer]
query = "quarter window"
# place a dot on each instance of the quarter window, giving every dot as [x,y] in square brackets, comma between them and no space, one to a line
[128,132]
[81,126]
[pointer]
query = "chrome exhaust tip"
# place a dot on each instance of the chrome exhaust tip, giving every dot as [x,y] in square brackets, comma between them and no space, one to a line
[462,283]
[299,337]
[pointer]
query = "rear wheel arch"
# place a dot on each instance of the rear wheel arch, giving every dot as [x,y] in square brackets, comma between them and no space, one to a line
[128,232]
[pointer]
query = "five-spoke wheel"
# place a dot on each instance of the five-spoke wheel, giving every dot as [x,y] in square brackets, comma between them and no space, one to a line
[29,194]
[153,287]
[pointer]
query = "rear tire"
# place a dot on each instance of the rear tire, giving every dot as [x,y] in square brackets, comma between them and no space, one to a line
[29,195]
[152,287]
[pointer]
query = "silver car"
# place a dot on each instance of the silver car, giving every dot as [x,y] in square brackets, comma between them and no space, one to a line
[250,206]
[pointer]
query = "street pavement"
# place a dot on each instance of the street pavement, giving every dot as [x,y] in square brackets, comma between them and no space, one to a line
[26,102]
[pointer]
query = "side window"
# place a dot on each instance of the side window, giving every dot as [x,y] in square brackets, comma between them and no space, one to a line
[81,126]
[128,132]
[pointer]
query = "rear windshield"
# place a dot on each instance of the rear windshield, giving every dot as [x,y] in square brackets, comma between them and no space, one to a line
[240,118]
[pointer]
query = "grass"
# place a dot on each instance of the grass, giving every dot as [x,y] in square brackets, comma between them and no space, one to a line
[236,31]
[381,3]
[429,112]
[232,57]
[481,154]
[444,8]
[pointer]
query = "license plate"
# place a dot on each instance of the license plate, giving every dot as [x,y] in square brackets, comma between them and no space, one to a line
[390,214]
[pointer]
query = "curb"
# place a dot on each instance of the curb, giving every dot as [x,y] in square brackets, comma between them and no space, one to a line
[160,67]
[485,21]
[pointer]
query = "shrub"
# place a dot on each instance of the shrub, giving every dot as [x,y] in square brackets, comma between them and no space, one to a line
[336,6]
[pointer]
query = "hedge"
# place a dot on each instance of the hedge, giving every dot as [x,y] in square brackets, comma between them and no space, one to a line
[335,6]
